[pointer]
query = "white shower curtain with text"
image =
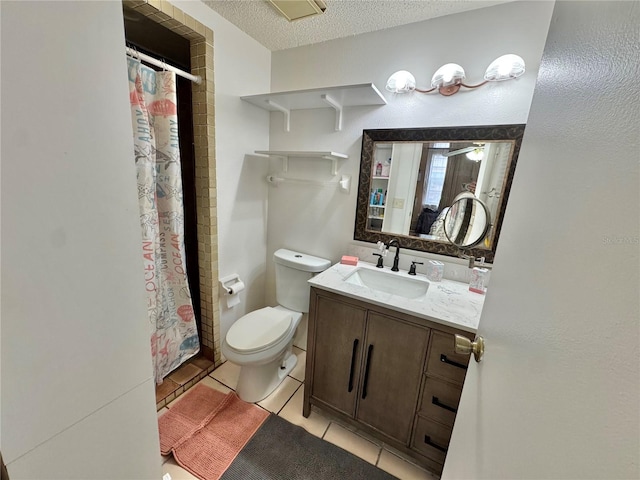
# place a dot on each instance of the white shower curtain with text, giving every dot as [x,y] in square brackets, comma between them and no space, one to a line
[174,335]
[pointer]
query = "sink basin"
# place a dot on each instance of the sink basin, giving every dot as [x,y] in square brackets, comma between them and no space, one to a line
[389,282]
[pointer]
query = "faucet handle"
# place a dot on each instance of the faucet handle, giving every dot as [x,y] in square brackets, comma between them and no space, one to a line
[380,258]
[412,268]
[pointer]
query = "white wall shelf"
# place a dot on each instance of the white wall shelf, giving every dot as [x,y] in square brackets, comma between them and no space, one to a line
[285,155]
[331,97]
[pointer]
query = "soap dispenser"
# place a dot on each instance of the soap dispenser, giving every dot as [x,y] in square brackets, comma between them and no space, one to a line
[478,278]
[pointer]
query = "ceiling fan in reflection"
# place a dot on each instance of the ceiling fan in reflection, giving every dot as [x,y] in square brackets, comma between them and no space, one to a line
[474,153]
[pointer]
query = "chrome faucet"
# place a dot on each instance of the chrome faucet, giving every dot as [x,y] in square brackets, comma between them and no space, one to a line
[395,243]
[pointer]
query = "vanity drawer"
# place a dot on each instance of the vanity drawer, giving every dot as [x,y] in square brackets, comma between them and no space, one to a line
[443,360]
[440,400]
[431,439]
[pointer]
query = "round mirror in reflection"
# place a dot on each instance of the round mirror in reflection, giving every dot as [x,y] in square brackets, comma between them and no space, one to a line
[467,221]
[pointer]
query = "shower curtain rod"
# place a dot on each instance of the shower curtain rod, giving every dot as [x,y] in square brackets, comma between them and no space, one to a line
[159,63]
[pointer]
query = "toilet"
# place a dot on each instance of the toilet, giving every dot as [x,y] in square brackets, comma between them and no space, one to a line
[261,341]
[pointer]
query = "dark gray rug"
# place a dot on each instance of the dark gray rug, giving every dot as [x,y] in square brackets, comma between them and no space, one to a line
[282,451]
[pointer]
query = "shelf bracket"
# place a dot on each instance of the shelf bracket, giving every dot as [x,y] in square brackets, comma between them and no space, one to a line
[334,165]
[285,163]
[283,158]
[285,111]
[337,107]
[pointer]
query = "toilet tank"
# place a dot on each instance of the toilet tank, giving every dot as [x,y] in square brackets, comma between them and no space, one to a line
[293,269]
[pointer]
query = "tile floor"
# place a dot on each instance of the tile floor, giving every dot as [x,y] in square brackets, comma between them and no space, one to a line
[286,401]
[181,379]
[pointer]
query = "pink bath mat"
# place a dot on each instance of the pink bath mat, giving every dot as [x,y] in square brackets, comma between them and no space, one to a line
[206,430]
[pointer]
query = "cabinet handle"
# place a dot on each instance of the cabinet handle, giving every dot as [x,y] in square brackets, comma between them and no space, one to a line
[427,440]
[437,403]
[366,372]
[444,359]
[353,363]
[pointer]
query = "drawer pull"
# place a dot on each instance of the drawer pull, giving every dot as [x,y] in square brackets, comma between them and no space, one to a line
[427,440]
[444,359]
[437,403]
[366,372]
[353,363]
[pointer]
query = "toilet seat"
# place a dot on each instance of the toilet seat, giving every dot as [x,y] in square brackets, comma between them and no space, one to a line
[259,330]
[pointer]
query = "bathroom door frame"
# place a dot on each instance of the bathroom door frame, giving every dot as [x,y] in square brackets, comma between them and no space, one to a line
[203,105]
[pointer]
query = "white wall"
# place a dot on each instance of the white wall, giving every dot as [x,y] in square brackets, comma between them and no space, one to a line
[320,222]
[557,394]
[77,384]
[241,67]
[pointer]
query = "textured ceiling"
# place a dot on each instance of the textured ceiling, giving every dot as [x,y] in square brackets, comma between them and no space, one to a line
[343,18]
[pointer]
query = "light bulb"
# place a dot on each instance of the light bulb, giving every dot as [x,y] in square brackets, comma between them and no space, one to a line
[476,154]
[401,82]
[504,68]
[449,74]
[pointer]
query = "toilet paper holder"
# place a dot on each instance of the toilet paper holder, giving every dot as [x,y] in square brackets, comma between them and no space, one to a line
[229,282]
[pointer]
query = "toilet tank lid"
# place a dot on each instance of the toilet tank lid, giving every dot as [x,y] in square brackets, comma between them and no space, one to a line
[301,261]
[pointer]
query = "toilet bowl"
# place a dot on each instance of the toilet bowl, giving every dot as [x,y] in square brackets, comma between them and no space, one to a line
[261,341]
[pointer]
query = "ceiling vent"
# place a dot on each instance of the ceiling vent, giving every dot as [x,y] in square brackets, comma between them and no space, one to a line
[296,9]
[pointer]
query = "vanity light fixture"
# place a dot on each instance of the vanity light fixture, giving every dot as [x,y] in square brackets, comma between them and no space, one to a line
[450,77]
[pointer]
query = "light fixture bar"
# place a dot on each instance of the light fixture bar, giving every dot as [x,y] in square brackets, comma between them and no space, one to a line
[474,86]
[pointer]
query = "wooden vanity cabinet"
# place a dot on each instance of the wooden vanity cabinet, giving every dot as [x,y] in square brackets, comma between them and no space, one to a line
[361,359]
[381,370]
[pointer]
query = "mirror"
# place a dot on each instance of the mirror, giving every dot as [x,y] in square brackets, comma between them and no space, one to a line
[467,221]
[410,178]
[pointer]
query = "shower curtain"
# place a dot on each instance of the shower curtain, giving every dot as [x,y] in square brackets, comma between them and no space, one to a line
[174,335]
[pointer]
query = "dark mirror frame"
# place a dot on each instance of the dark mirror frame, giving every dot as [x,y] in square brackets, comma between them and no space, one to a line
[444,134]
[447,219]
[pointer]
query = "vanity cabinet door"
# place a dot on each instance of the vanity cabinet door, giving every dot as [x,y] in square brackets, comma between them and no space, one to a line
[339,339]
[394,355]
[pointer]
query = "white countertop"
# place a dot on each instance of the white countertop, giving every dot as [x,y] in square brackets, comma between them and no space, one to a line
[447,302]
